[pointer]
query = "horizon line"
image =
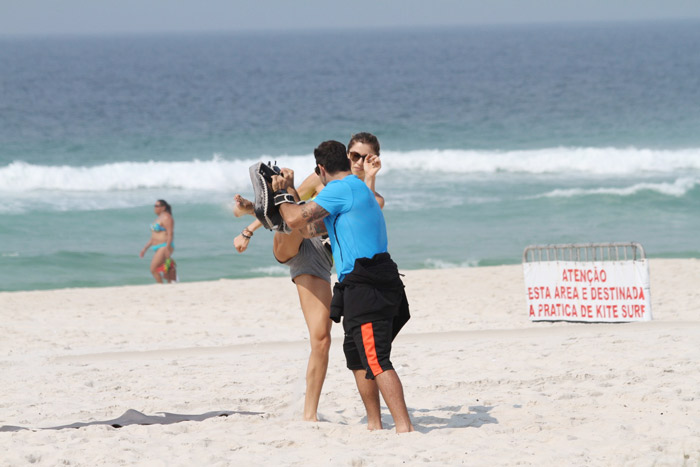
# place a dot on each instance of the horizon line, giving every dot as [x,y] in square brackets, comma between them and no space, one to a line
[340,29]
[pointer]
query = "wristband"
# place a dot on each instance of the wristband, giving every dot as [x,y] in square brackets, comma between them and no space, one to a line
[247,236]
[283,197]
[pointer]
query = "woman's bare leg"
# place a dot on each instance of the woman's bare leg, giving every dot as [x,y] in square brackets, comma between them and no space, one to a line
[315,299]
[156,262]
[286,246]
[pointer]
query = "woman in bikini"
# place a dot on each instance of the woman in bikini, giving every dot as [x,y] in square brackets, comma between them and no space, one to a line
[161,243]
[310,262]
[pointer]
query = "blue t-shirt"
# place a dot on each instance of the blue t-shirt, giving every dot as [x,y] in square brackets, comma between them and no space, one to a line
[355,225]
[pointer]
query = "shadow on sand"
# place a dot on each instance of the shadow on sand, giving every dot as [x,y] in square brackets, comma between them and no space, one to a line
[427,420]
[134,417]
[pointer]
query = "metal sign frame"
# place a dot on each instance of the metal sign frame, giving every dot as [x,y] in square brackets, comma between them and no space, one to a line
[619,251]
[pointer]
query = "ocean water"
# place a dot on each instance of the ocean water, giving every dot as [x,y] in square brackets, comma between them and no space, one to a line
[493,138]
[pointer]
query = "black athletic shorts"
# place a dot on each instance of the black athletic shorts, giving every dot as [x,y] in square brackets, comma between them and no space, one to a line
[368,347]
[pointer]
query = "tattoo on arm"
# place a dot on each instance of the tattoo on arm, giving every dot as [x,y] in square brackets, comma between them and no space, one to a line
[314,229]
[317,228]
[312,212]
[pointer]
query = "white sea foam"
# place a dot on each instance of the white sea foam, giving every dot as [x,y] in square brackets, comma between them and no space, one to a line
[216,174]
[678,188]
[417,175]
[440,264]
[223,175]
[271,270]
[557,161]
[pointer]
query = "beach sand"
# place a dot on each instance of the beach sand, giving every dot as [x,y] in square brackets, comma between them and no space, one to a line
[484,385]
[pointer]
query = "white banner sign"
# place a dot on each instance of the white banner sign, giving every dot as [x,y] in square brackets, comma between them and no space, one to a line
[595,291]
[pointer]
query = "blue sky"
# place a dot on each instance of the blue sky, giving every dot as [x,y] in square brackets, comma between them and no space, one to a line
[143,16]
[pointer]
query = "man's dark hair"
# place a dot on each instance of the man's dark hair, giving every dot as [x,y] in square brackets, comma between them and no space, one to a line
[332,156]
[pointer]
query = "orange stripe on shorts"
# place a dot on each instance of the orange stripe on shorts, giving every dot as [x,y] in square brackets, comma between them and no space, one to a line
[370,349]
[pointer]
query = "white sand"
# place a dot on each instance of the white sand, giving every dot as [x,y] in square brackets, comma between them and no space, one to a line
[484,385]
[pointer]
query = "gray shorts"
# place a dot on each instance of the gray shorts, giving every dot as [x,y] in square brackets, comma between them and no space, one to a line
[313,258]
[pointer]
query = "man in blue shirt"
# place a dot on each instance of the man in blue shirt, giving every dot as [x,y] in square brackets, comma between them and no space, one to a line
[370,294]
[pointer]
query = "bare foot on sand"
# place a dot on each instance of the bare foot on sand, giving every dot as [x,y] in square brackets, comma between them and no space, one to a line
[242,206]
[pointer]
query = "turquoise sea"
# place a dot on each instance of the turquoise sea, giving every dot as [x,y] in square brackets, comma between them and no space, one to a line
[493,138]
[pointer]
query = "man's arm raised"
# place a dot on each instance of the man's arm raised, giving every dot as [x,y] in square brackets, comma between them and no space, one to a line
[298,216]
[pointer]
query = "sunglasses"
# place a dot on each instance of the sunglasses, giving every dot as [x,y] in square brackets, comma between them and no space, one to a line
[317,170]
[356,156]
[157,205]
